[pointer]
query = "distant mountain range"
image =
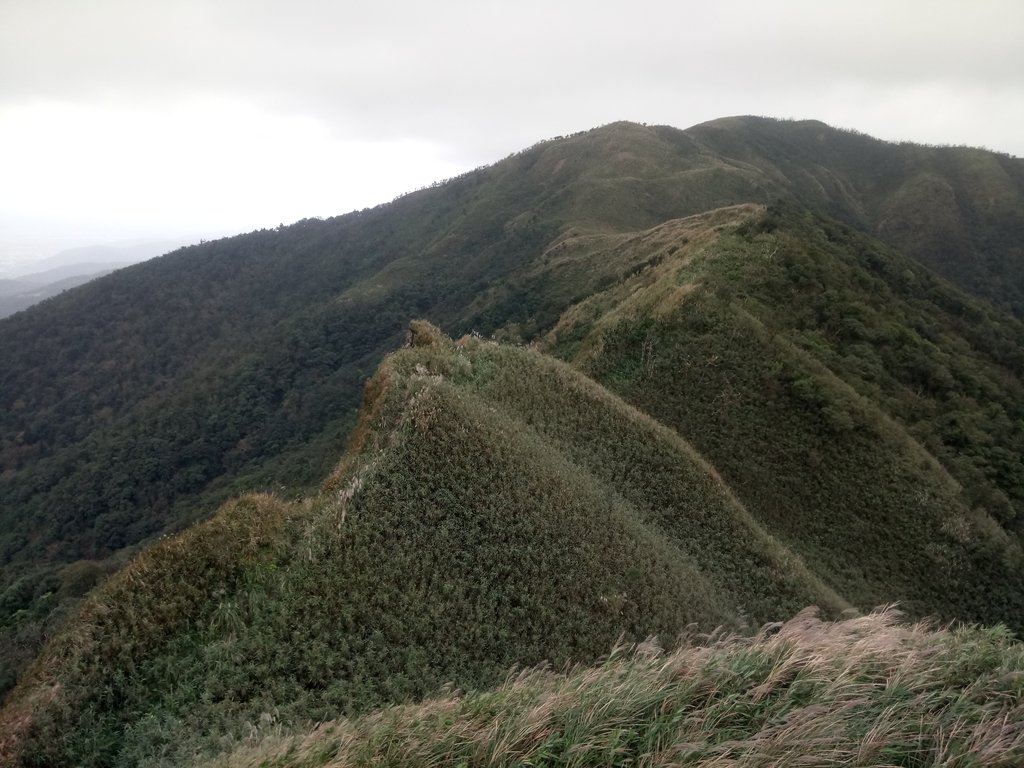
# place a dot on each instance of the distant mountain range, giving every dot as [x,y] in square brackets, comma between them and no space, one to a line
[637,381]
[21,293]
[73,267]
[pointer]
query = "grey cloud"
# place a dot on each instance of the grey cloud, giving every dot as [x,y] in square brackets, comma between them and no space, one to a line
[478,74]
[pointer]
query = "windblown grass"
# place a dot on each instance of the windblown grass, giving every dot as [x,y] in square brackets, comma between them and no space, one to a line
[868,691]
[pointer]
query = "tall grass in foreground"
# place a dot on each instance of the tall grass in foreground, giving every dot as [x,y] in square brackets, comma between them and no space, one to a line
[868,691]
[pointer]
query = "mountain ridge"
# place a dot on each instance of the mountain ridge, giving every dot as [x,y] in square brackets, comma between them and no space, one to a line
[692,347]
[474,524]
[859,410]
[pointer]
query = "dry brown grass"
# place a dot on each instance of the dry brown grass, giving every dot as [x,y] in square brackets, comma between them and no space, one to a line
[870,690]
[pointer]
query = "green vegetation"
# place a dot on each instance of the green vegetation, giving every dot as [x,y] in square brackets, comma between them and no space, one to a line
[496,508]
[957,210]
[765,399]
[136,405]
[867,691]
[863,411]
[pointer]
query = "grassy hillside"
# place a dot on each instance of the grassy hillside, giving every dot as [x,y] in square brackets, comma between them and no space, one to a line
[862,410]
[866,691]
[496,508]
[136,405]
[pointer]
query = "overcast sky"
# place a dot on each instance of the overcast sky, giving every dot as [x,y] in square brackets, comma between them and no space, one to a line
[186,118]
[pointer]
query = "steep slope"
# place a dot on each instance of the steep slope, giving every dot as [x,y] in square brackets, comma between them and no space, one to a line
[864,411]
[496,508]
[134,405]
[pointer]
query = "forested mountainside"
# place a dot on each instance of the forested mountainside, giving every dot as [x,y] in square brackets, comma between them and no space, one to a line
[852,388]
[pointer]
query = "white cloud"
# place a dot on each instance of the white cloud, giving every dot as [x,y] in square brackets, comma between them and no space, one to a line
[213,166]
